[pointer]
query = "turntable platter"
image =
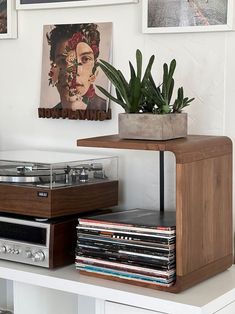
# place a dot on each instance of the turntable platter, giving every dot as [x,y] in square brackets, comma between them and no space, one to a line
[19,179]
[31,177]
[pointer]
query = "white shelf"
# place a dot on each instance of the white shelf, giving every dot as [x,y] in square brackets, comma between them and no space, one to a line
[208,297]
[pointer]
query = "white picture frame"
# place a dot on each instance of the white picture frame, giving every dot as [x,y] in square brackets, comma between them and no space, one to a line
[21,5]
[148,21]
[11,21]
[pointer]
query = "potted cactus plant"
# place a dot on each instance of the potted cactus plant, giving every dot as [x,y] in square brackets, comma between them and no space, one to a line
[149,111]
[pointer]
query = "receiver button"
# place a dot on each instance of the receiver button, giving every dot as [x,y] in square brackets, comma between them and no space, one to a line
[28,254]
[3,249]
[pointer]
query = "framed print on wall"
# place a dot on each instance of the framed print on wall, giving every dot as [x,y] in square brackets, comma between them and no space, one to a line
[178,16]
[43,4]
[8,19]
[70,71]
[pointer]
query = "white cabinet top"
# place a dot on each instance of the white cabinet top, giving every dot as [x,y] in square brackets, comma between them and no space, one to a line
[206,297]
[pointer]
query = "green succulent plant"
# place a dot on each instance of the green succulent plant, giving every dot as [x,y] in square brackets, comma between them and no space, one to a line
[181,101]
[128,94]
[141,94]
[159,97]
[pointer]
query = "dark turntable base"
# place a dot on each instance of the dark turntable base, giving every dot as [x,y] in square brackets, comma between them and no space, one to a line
[50,203]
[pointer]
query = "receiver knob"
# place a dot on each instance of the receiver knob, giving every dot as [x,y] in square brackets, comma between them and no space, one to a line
[3,249]
[38,256]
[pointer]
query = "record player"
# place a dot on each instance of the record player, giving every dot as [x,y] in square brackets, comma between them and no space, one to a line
[53,184]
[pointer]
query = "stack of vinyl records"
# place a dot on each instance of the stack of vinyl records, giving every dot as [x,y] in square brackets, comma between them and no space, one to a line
[138,245]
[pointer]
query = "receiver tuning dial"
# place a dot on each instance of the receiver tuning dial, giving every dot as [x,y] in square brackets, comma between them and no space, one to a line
[38,256]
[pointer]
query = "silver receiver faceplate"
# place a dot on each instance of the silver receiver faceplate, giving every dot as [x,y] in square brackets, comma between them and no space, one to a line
[24,241]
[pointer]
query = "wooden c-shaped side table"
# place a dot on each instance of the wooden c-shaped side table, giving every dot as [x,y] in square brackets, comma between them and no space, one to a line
[203,202]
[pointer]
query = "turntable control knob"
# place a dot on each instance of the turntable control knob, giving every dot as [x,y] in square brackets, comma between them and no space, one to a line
[28,254]
[3,249]
[38,256]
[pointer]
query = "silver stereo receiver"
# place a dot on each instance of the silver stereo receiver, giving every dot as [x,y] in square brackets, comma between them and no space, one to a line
[49,243]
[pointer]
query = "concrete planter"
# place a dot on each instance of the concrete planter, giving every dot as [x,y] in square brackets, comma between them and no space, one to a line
[147,126]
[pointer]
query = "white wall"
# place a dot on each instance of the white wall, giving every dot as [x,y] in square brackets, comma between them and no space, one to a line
[205,68]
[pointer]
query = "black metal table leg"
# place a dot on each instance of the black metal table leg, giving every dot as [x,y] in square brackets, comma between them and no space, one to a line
[161,181]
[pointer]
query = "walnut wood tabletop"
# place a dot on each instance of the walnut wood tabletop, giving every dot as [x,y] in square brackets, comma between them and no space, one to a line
[192,147]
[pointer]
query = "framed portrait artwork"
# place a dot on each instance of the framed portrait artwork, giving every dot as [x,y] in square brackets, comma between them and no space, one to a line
[178,16]
[8,19]
[70,71]
[43,4]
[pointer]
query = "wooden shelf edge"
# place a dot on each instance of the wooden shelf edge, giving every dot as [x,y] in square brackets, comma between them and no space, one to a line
[188,149]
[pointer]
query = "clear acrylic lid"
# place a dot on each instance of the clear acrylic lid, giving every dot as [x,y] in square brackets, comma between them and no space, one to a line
[50,169]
